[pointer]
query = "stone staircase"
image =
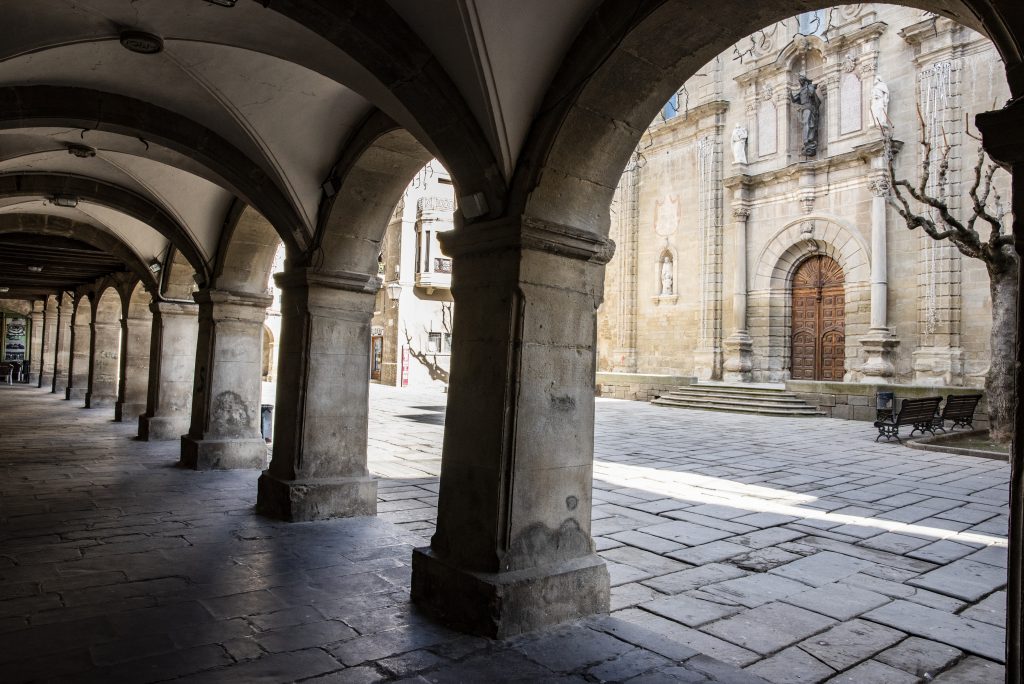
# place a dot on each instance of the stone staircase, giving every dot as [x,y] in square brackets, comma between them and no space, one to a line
[765,400]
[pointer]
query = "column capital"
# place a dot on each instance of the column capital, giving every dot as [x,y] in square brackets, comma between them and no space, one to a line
[332,280]
[215,296]
[176,308]
[880,185]
[527,232]
[741,211]
[1002,132]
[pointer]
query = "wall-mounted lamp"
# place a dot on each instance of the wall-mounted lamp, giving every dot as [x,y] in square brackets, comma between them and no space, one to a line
[394,291]
[154,266]
[66,201]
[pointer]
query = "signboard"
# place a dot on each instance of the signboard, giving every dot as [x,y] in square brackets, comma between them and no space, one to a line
[377,331]
[15,338]
[405,366]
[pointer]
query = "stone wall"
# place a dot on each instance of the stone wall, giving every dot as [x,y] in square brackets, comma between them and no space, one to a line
[853,401]
[637,386]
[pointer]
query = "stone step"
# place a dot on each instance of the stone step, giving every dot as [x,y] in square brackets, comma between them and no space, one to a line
[738,399]
[738,407]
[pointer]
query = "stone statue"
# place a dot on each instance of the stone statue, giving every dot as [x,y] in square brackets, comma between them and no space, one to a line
[739,144]
[809,105]
[666,276]
[880,104]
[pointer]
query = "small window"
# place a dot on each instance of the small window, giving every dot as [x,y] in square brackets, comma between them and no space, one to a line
[448,343]
[434,342]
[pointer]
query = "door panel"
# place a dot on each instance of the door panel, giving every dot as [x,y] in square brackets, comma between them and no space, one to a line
[818,321]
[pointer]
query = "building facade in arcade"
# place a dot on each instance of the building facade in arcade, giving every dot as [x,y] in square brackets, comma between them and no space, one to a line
[741,257]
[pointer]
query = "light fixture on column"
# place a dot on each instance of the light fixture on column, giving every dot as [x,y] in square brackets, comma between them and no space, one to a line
[66,201]
[394,291]
[154,266]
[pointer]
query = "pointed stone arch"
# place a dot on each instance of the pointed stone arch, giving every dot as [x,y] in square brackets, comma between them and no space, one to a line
[136,342]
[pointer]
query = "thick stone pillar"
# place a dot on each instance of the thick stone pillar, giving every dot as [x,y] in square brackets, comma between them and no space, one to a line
[318,468]
[62,347]
[880,343]
[225,430]
[78,366]
[739,347]
[1003,134]
[46,359]
[172,362]
[136,331]
[103,363]
[513,550]
[34,353]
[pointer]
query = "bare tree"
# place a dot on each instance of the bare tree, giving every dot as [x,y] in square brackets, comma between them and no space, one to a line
[429,359]
[981,236]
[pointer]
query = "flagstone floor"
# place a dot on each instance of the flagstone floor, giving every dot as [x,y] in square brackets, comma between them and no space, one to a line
[741,549]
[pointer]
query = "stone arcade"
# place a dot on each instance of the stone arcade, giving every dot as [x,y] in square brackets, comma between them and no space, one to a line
[169,149]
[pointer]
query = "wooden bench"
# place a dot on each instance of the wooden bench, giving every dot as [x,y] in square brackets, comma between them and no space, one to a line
[921,413]
[959,408]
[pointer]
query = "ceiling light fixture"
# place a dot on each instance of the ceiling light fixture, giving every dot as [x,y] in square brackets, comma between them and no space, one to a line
[141,42]
[66,201]
[81,151]
[5,289]
[36,269]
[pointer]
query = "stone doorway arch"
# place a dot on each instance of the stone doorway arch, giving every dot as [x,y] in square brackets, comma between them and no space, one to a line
[819,320]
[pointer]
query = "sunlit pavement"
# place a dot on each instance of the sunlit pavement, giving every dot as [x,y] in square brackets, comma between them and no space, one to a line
[799,548]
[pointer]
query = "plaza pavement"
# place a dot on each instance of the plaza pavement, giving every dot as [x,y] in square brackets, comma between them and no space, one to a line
[741,549]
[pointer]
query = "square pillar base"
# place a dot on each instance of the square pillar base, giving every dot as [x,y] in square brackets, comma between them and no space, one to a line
[316,499]
[223,454]
[161,428]
[75,393]
[499,605]
[123,411]
[99,400]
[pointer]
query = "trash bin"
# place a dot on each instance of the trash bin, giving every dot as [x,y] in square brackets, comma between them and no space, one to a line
[884,404]
[267,421]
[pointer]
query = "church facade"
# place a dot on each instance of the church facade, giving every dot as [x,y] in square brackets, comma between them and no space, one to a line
[754,238]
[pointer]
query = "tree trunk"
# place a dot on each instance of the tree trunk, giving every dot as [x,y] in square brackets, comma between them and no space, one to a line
[999,383]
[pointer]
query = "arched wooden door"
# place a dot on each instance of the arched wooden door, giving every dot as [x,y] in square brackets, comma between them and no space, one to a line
[819,320]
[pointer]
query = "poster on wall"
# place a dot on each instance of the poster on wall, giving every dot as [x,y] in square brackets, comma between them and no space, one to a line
[15,338]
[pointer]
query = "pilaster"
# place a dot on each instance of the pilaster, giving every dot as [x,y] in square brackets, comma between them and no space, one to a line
[225,429]
[318,469]
[46,359]
[35,342]
[171,371]
[513,550]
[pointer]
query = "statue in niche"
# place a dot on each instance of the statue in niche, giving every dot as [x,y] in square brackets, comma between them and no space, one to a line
[880,105]
[666,276]
[809,105]
[739,144]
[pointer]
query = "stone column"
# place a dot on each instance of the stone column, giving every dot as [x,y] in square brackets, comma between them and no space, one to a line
[34,353]
[62,348]
[513,550]
[318,468]
[103,363]
[172,361]
[49,349]
[739,347]
[225,430]
[78,366]
[880,343]
[1003,135]
[134,377]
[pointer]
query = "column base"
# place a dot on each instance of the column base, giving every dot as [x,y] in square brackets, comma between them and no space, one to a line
[45,381]
[99,400]
[223,454]
[316,499]
[942,366]
[739,358]
[74,393]
[123,410]
[33,378]
[161,428]
[880,347]
[499,605]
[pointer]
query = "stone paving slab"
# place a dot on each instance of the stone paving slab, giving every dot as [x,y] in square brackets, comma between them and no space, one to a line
[739,501]
[972,636]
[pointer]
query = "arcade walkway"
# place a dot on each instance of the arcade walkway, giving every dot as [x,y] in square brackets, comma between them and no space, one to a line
[796,549]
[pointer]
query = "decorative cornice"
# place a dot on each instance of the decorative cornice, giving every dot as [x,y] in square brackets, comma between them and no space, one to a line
[215,296]
[858,155]
[331,280]
[531,233]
